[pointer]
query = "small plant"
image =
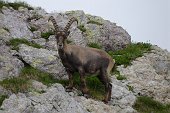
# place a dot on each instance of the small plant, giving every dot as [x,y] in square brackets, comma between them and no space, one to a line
[15,43]
[130,88]
[69,41]
[82,28]
[6,29]
[15,5]
[134,50]
[32,29]
[94,22]
[146,104]
[95,45]
[46,35]
[18,84]
[2,98]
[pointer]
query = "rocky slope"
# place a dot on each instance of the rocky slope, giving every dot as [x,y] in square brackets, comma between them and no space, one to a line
[148,75]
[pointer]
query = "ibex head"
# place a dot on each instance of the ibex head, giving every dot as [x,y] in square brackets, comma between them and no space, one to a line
[61,35]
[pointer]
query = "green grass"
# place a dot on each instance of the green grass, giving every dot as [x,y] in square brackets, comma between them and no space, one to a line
[6,29]
[15,5]
[22,82]
[94,22]
[148,105]
[2,98]
[95,45]
[46,35]
[32,29]
[127,55]
[96,88]
[15,43]
[82,28]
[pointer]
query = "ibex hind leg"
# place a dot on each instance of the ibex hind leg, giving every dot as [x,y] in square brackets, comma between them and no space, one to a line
[105,80]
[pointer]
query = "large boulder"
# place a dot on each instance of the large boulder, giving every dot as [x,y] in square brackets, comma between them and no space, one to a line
[104,32]
[150,75]
[45,60]
[16,23]
[54,100]
[10,66]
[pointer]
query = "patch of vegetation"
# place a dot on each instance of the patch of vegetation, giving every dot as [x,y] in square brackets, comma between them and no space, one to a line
[6,29]
[46,35]
[32,29]
[82,28]
[18,84]
[95,45]
[134,50]
[69,41]
[94,22]
[148,105]
[2,98]
[15,5]
[96,88]
[22,82]
[118,75]
[15,43]
[130,88]
[35,16]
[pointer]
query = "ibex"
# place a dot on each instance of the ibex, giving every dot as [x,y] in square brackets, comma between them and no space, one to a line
[83,60]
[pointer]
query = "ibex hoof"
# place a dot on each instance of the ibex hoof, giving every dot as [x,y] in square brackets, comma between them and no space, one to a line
[86,95]
[105,101]
[69,89]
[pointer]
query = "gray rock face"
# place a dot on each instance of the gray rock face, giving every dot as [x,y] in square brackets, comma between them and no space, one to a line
[44,60]
[121,96]
[16,23]
[55,100]
[10,66]
[98,30]
[149,75]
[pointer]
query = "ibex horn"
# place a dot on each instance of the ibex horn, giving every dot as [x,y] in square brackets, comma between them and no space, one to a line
[54,23]
[70,23]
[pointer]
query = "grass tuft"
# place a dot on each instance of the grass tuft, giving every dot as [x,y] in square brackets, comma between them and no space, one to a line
[146,104]
[95,45]
[46,35]
[82,28]
[94,22]
[17,41]
[134,50]
[2,98]
[32,29]
[15,5]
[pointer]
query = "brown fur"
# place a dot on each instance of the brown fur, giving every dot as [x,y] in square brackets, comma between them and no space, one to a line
[84,60]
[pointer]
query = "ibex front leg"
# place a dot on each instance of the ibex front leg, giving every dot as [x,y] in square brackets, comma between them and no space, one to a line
[84,89]
[70,86]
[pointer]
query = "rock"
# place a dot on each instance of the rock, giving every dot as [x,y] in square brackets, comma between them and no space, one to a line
[15,22]
[5,36]
[38,86]
[44,60]
[147,75]
[10,66]
[40,41]
[121,96]
[104,32]
[55,100]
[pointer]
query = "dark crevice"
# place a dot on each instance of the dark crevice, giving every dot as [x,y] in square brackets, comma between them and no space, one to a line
[21,59]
